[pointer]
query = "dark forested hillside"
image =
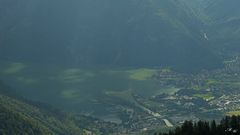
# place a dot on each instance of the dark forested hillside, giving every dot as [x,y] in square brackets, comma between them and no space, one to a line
[19,116]
[23,118]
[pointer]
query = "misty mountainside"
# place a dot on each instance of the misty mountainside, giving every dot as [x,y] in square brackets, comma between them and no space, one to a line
[224,25]
[129,33]
[221,21]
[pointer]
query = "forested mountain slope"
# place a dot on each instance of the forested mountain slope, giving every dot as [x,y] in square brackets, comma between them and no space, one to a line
[25,117]
[89,33]
[221,19]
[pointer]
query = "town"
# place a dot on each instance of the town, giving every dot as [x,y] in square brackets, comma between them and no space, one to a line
[204,96]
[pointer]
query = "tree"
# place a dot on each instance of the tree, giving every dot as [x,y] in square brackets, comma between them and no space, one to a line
[213,128]
[227,126]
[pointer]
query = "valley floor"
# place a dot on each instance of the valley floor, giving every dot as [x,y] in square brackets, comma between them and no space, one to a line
[133,100]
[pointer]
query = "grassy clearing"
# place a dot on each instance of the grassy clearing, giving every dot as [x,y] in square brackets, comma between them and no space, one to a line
[171,90]
[27,80]
[232,113]
[196,87]
[14,68]
[123,95]
[211,82]
[141,74]
[74,75]
[206,97]
[70,93]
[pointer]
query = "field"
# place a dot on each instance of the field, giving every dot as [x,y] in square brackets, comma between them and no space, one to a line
[231,113]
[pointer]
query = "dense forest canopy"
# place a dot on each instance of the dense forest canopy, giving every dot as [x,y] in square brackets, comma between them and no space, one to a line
[227,126]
